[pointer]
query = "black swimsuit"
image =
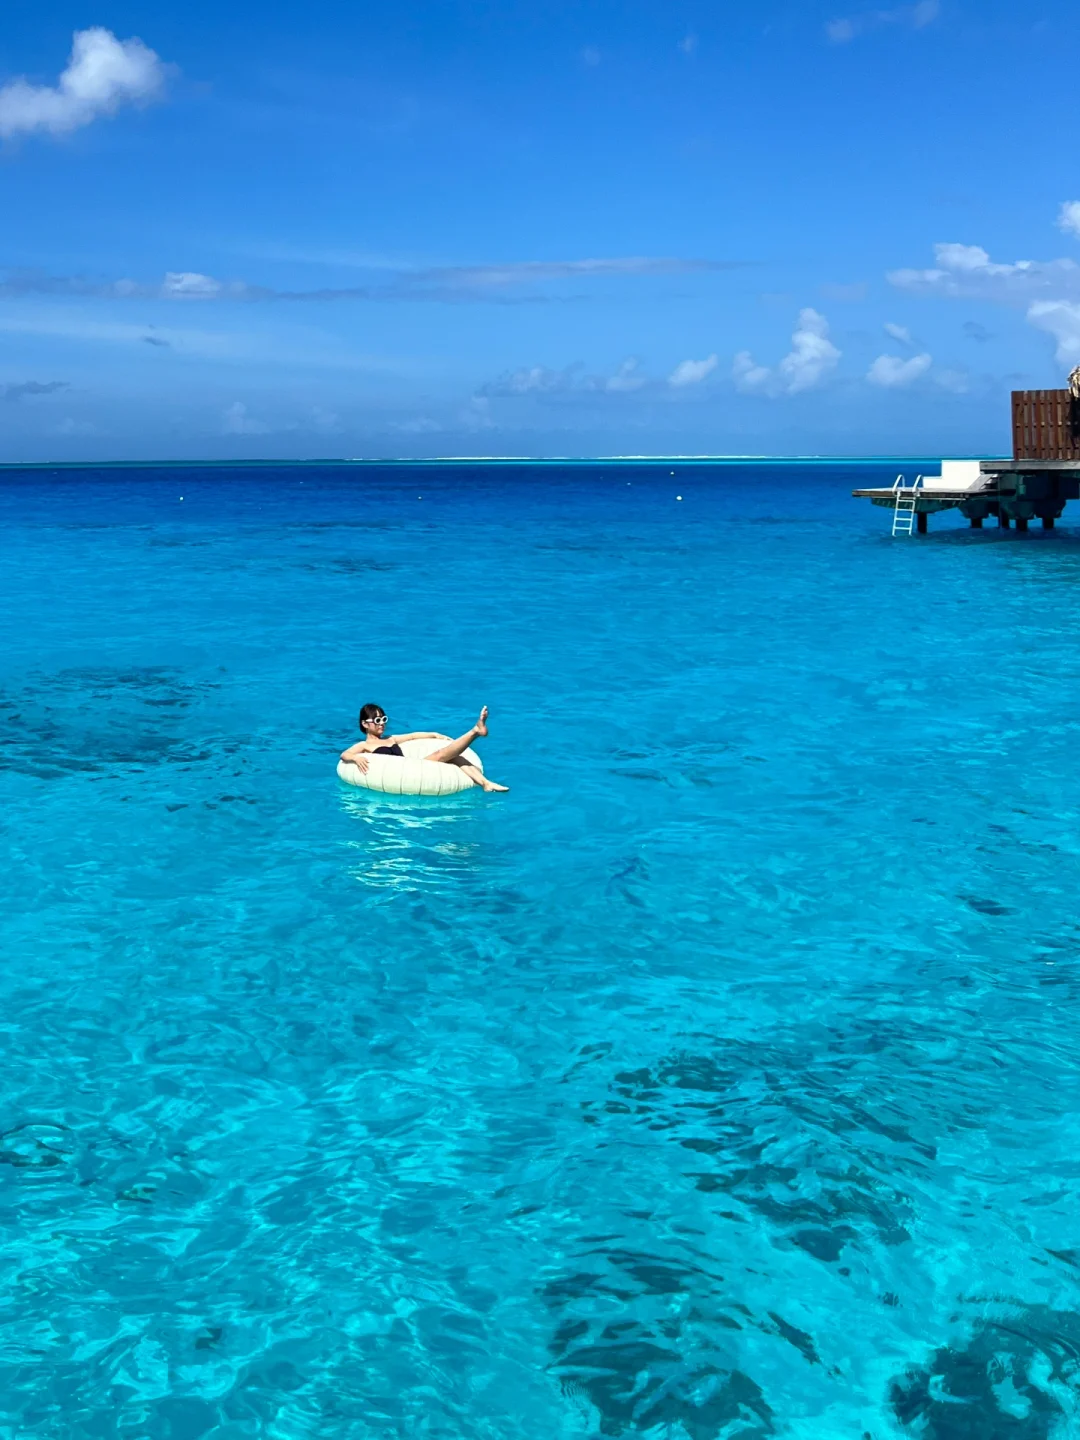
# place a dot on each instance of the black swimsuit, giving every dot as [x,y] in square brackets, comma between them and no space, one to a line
[389,750]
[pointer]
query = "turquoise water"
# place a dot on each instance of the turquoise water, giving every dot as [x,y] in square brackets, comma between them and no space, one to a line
[721,1080]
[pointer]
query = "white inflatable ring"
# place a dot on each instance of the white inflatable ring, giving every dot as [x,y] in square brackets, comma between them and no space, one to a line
[413,775]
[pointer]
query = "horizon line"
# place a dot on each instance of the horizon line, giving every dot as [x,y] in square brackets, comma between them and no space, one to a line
[269,461]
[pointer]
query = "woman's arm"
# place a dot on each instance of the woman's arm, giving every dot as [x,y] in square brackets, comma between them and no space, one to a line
[356,755]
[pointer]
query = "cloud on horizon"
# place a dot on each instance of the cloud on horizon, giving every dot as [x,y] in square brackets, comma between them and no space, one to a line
[628,377]
[535,380]
[1069,218]
[444,283]
[916,17]
[967,272]
[102,75]
[812,357]
[892,372]
[541,380]
[517,271]
[692,372]
[237,421]
[32,387]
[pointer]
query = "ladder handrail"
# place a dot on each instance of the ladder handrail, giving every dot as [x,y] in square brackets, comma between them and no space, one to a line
[905,504]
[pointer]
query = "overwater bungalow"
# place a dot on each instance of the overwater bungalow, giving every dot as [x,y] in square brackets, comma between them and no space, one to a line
[1035,484]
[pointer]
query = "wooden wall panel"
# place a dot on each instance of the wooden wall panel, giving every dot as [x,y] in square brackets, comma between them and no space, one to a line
[1046,425]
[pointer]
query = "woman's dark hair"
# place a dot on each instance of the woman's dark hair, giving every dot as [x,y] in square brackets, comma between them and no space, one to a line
[368,712]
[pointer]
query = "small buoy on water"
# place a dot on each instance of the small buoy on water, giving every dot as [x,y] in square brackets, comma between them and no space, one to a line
[181,497]
[678,497]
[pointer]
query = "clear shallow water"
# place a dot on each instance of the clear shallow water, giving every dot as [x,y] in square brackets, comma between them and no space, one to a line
[719,1081]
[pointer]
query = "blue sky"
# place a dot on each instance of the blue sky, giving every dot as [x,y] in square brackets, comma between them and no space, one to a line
[500,227]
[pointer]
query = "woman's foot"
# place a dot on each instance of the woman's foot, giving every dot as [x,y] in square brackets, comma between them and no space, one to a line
[480,728]
[490,786]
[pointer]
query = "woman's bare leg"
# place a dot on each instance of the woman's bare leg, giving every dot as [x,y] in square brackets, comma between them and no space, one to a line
[450,754]
[478,777]
[461,744]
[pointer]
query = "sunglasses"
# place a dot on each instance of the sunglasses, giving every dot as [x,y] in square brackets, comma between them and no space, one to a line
[376,720]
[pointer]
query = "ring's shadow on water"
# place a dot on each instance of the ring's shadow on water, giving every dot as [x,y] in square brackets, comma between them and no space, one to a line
[411,842]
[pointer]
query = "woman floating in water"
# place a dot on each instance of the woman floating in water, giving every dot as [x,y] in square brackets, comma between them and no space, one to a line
[373,723]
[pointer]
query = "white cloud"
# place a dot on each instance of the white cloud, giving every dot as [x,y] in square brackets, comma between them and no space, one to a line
[966,271]
[531,380]
[591,55]
[540,380]
[189,285]
[476,415]
[239,422]
[688,44]
[1061,320]
[1048,289]
[893,373]
[318,420]
[176,285]
[749,376]
[899,332]
[103,74]
[692,372]
[917,17]
[515,272]
[497,283]
[536,378]
[627,377]
[812,357]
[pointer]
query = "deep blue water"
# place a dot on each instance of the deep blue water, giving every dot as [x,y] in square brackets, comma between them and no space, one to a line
[721,1080]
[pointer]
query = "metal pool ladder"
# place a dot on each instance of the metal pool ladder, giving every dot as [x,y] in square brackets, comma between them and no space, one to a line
[903,520]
